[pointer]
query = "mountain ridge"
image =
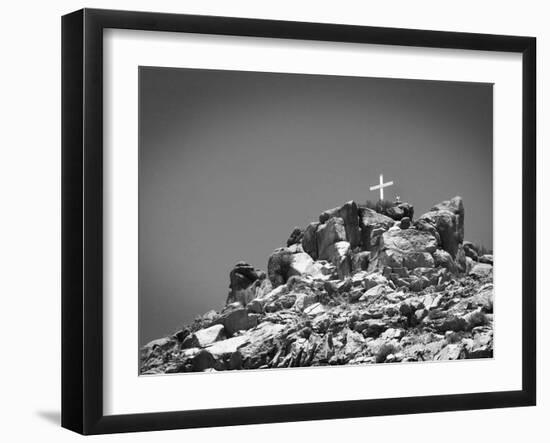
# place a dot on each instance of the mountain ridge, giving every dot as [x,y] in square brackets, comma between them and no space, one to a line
[359,285]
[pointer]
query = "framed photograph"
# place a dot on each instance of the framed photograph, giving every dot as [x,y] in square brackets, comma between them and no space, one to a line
[268,221]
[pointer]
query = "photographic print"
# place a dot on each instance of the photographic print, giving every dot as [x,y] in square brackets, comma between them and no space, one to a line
[295,220]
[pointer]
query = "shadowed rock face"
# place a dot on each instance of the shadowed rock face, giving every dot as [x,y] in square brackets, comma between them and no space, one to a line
[356,287]
[350,216]
[243,282]
[447,219]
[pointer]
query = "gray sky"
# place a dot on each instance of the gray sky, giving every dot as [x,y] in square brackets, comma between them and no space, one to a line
[231,161]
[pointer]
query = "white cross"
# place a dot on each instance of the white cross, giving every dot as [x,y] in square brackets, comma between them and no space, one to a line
[381,186]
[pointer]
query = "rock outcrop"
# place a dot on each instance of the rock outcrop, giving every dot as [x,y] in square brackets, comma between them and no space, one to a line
[355,287]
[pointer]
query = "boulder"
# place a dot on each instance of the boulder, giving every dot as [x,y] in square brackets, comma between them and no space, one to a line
[237,320]
[482,270]
[329,233]
[374,279]
[405,223]
[400,210]
[309,240]
[242,279]
[414,260]
[409,240]
[203,360]
[278,266]
[303,301]
[443,259]
[228,346]
[486,258]
[295,236]
[314,310]
[456,206]
[209,335]
[395,245]
[470,250]
[448,220]
[261,345]
[360,261]
[350,215]
[339,254]
[372,225]
[375,292]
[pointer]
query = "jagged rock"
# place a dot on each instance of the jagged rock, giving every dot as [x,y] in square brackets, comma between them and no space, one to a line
[261,342]
[314,309]
[203,360]
[470,250]
[278,266]
[375,292]
[303,264]
[209,335]
[309,240]
[237,320]
[284,301]
[339,254]
[374,279]
[451,352]
[481,270]
[448,220]
[256,306]
[409,240]
[462,261]
[395,245]
[400,210]
[413,260]
[304,300]
[244,281]
[331,232]
[295,236]
[354,344]
[296,248]
[444,259]
[405,223]
[456,206]
[486,258]
[372,225]
[349,214]
[360,261]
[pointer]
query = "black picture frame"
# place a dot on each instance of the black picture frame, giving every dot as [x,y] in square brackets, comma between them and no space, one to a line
[82,218]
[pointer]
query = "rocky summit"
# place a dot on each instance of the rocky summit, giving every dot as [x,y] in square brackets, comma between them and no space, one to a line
[356,286]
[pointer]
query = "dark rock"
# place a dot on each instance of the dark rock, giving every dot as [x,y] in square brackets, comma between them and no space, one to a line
[372,225]
[443,259]
[470,250]
[405,223]
[237,320]
[414,260]
[278,266]
[203,360]
[339,254]
[349,214]
[400,211]
[296,236]
[452,323]
[329,233]
[486,258]
[242,279]
[360,261]
[448,219]
[309,240]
